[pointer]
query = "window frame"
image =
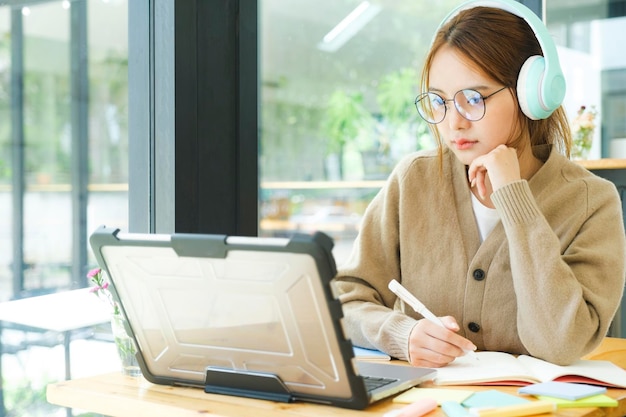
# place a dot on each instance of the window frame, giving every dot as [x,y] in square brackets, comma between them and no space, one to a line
[193,134]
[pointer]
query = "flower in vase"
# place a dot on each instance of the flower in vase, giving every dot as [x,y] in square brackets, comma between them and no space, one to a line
[583,127]
[125,346]
[101,289]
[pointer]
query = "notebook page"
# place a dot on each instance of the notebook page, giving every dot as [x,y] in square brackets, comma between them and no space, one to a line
[490,367]
[580,371]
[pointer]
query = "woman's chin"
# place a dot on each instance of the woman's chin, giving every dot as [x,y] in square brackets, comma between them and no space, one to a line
[465,157]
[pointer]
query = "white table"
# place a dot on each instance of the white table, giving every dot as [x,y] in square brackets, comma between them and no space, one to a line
[62,312]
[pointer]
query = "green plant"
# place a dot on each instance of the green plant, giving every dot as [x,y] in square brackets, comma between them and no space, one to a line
[394,96]
[345,116]
[22,399]
[350,123]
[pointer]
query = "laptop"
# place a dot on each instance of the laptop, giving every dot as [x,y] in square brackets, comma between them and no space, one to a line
[245,316]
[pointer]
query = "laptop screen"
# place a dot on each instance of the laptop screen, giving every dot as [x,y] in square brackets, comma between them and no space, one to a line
[245,305]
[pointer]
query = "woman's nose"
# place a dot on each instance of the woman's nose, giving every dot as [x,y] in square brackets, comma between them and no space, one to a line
[455,120]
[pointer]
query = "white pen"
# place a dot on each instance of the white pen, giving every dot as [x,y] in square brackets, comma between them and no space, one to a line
[417,305]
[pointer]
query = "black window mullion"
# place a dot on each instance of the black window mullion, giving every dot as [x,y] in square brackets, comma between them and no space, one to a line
[197,118]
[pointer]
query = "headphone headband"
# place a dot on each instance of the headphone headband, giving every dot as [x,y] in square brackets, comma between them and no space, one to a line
[541,84]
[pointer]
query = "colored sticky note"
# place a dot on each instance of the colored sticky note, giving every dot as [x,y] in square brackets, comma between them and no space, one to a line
[438,394]
[454,409]
[492,398]
[601,400]
[565,390]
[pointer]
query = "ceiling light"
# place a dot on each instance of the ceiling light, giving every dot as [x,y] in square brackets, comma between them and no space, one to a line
[349,26]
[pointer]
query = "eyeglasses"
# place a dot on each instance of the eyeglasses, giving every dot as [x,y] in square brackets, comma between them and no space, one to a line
[469,103]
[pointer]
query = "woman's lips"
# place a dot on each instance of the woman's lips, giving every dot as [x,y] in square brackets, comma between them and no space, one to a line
[464,144]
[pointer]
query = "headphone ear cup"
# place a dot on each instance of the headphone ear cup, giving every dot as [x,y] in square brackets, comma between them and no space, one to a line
[529,92]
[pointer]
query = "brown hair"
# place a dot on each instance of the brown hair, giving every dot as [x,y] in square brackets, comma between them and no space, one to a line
[497,43]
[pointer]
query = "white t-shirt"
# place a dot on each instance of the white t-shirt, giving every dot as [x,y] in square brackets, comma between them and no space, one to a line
[486,217]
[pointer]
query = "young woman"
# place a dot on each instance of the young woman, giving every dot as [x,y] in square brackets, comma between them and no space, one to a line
[512,245]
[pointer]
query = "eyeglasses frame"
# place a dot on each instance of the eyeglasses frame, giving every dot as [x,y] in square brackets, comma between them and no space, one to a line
[445,111]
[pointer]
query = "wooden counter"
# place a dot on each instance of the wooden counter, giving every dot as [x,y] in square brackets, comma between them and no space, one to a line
[605,163]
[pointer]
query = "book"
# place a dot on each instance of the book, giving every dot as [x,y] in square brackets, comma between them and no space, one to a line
[498,368]
[370,354]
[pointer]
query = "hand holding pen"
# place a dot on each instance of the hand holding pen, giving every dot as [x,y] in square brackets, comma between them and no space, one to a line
[414,303]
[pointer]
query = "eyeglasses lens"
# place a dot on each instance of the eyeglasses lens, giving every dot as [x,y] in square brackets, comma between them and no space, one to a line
[470,104]
[431,107]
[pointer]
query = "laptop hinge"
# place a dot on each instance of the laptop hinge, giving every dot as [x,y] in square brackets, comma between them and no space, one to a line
[250,384]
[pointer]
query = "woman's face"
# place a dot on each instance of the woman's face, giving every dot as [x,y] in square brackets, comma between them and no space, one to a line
[449,73]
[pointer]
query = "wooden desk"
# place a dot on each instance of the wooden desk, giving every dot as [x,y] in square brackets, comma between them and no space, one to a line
[123,396]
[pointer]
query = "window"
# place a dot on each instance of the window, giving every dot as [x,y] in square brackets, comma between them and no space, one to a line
[338,80]
[63,137]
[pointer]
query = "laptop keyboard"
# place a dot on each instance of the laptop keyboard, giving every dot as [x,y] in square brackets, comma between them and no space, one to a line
[373,382]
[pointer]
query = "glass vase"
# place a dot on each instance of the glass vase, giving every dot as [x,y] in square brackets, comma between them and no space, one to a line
[125,346]
[581,146]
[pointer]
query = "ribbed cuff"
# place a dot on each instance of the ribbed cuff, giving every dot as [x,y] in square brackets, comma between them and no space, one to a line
[515,203]
[399,332]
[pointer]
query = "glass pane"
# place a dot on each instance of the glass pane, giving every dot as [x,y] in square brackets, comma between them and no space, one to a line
[589,42]
[48,215]
[108,115]
[6,213]
[47,151]
[337,107]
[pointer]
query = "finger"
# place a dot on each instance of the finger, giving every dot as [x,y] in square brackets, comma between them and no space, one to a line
[423,356]
[472,170]
[479,183]
[425,345]
[450,323]
[441,341]
[422,363]
[454,339]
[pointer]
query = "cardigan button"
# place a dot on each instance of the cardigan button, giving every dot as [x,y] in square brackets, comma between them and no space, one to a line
[474,327]
[478,274]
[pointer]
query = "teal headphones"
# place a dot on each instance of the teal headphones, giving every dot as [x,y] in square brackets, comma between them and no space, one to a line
[540,83]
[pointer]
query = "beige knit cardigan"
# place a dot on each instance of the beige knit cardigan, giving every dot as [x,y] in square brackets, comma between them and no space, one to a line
[547,280]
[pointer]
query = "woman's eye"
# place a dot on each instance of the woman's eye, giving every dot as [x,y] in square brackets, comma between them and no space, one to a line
[437,101]
[473,99]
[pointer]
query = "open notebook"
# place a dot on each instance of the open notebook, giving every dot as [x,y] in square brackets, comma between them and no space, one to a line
[244,316]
